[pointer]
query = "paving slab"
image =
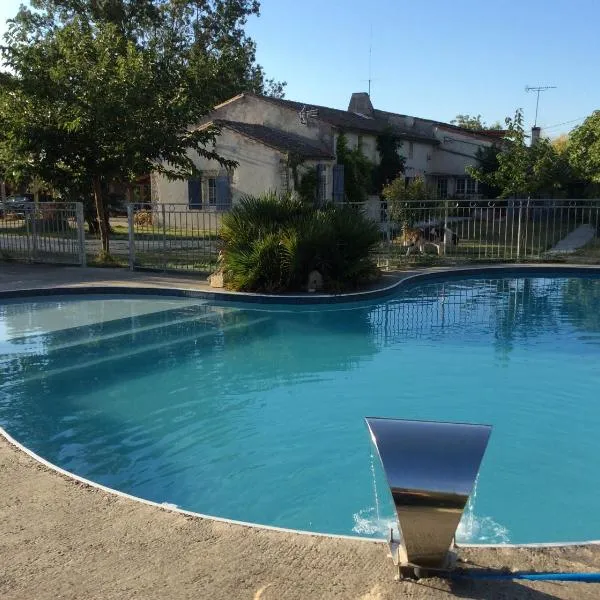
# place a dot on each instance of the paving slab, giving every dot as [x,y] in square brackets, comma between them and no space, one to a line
[576,239]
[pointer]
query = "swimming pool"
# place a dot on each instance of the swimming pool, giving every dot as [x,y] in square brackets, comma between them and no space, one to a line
[255,413]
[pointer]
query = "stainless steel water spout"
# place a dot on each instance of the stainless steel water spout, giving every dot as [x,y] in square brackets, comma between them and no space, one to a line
[431,468]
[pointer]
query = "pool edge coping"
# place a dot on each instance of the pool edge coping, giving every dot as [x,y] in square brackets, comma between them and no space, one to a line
[73,290]
[405,278]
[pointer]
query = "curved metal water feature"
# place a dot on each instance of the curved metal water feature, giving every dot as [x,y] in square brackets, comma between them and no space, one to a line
[431,468]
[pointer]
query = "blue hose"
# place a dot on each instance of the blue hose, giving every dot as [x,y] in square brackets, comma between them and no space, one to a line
[582,577]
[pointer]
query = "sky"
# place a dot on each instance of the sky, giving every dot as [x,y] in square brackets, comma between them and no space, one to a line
[436,58]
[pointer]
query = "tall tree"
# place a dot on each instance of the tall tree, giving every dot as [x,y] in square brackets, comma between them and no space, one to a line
[524,171]
[584,148]
[104,91]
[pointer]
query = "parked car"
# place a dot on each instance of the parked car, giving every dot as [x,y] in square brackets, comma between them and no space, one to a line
[17,205]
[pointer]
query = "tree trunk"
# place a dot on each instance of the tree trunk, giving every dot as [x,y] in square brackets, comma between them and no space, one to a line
[101,215]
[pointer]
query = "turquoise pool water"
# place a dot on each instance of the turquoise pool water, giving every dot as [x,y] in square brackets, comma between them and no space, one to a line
[256,412]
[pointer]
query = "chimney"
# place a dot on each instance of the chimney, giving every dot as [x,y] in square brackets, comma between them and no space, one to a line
[535,135]
[361,103]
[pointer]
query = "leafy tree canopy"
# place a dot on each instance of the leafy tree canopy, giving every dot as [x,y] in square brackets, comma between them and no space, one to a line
[524,171]
[584,148]
[106,90]
[474,122]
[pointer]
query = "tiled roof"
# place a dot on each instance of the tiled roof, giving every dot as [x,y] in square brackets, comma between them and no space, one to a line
[405,126]
[278,139]
[346,120]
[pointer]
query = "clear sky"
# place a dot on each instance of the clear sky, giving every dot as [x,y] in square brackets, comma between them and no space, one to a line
[434,58]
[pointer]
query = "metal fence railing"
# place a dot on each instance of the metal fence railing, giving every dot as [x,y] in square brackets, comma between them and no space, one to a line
[454,231]
[172,237]
[49,232]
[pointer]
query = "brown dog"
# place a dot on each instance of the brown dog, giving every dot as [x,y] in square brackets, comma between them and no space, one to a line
[430,235]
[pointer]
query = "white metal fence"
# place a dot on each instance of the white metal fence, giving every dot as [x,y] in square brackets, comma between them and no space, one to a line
[173,237]
[481,230]
[45,232]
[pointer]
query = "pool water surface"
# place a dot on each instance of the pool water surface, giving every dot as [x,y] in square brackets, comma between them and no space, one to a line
[256,412]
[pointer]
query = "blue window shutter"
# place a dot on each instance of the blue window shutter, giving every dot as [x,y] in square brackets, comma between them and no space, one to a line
[338,183]
[223,192]
[194,193]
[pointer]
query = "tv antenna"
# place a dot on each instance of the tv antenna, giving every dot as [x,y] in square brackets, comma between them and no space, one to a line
[538,89]
[370,54]
[307,113]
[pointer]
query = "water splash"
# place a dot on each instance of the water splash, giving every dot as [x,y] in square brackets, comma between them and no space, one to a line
[368,523]
[474,529]
[375,521]
[374,476]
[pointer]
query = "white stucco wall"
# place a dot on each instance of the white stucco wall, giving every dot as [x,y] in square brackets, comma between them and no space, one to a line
[456,151]
[251,109]
[420,163]
[259,170]
[368,144]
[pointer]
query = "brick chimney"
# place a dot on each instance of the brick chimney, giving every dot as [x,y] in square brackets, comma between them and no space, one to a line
[361,103]
[535,135]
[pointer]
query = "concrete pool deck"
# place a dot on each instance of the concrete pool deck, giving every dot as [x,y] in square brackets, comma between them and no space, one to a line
[60,538]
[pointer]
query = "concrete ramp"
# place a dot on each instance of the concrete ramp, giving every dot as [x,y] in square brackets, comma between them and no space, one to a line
[576,239]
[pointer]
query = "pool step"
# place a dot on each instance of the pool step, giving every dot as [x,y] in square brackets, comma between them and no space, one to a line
[142,349]
[130,332]
[115,329]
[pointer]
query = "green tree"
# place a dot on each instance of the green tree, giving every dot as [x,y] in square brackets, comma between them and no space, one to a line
[487,157]
[358,170]
[524,171]
[402,198]
[391,163]
[101,92]
[584,148]
[474,122]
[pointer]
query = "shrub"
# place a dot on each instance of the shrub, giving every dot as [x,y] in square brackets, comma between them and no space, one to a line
[272,243]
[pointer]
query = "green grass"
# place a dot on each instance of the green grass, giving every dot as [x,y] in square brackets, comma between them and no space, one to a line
[144,232]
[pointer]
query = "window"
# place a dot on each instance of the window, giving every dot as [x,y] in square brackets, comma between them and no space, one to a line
[411,150]
[466,187]
[359,142]
[212,191]
[471,187]
[194,194]
[442,187]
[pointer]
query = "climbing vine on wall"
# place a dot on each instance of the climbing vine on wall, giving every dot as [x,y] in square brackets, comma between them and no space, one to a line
[358,171]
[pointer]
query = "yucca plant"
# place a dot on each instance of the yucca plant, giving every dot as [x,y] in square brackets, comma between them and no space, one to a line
[272,243]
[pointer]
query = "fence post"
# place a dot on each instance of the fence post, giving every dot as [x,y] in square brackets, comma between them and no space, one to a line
[80,233]
[130,236]
[164,224]
[33,216]
[519,230]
